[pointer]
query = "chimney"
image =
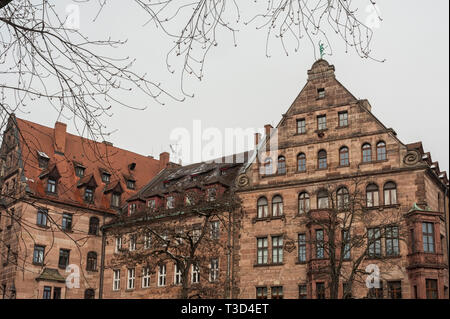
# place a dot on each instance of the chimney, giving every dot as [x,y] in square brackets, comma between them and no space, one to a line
[60,137]
[268,127]
[257,138]
[163,160]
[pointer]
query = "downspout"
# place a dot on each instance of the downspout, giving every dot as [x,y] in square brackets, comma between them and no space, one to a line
[102,261]
[228,257]
[446,231]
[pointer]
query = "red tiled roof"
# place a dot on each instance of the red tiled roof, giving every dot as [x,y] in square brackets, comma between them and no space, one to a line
[93,156]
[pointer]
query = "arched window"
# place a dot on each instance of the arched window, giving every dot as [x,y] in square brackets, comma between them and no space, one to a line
[390,193]
[263,207]
[322,199]
[366,153]
[381,151]
[301,162]
[277,206]
[343,156]
[342,198]
[93,226]
[268,166]
[322,159]
[91,263]
[281,165]
[89,294]
[372,196]
[303,203]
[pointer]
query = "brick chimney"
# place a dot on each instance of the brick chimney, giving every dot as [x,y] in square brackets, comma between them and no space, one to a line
[268,127]
[60,137]
[163,160]
[257,139]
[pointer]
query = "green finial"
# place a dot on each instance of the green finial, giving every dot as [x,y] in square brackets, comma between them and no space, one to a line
[321,49]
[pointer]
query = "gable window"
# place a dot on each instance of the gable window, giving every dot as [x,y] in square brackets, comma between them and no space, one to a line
[374,242]
[302,248]
[145,277]
[170,202]
[89,195]
[301,162]
[151,204]
[263,208]
[215,229]
[320,244]
[93,225]
[390,193]
[162,272]
[281,165]
[79,171]
[262,251]
[322,122]
[212,194]
[214,270]
[147,241]
[321,93]
[63,261]
[38,255]
[277,292]
[372,196]
[432,288]
[303,203]
[66,222]
[392,240]
[115,200]
[51,185]
[322,199]
[106,177]
[118,246]
[132,246]
[261,292]
[131,278]
[343,156]
[91,264]
[43,160]
[322,159]
[42,215]
[381,151]
[395,289]
[277,249]
[428,237]
[116,280]
[342,198]
[343,119]
[268,166]
[132,208]
[195,274]
[131,184]
[366,153]
[301,126]
[277,206]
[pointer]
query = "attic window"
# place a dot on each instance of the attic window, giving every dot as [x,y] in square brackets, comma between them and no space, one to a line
[89,195]
[106,177]
[321,93]
[132,166]
[79,171]
[43,159]
[131,184]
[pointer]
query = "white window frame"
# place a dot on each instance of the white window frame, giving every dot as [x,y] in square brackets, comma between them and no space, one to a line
[176,275]
[195,274]
[131,280]
[162,273]
[214,272]
[145,277]
[118,244]
[132,245]
[116,280]
[147,241]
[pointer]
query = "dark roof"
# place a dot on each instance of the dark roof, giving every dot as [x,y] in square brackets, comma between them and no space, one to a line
[50,274]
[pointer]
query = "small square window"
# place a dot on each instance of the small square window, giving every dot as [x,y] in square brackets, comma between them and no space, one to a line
[321,93]
[131,184]
[79,171]
[343,119]
[106,177]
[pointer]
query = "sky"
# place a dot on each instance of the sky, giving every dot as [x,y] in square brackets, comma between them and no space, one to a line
[243,88]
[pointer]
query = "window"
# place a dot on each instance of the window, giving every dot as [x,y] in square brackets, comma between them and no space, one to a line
[162,272]
[115,200]
[89,294]
[66,222]
[342,197]
[376,293]
[322,122]
[106,177]
[212,194]
[47,292]
[93,226]
[195,274]
[89,195]
[263,208]
[38,255]
[281,165]
[366,153]
[428,237]
[303,203]
[116,280]
[151,204]
[277,206]
[374,242]
[322,159]
[51,185]
[91,264]
[302,248]
[432,288]
[321,93]
[214,270]
[132,208]
[132,246]
[372,196]
[170,202]
[322,199]
[343,118]
[262,251]
[392,241]
[43,161]
[118,244]
[320,253]
[301,126]
[177,275]
[395,289]
[56,293]
[343,156]
[320,290]
[268,166]
[381,151]
[302,292]
[346,242]
[147,241]
[145,277]
[261,292]
[131,278]
[277,292]
[131,184]
[79,171]
[63,261]
[277,249]
[413,240]
[390,193]
[215,229]
[301,162]
[42,217]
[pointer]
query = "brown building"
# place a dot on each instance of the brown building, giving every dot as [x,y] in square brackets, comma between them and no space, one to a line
[58,189]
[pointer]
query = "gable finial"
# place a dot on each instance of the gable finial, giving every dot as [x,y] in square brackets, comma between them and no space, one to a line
[321,49]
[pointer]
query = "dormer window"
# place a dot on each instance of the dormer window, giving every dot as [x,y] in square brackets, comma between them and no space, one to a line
[79,171]
[43,160]
[212,193]
[151,204]
[89,195]
[131,184]
[115,200]
[132,208]
[170,202]
[51,185]
[106,177]
[321,93]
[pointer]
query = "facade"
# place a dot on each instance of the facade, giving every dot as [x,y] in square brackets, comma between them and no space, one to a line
[58,189]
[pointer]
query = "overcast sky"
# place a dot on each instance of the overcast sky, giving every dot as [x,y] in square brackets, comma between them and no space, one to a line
[242,88]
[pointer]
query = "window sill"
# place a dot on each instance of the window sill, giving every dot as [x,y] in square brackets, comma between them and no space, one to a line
[297,134]
[343,166]
[130,290]
[272,175]
[43,226]
[268,265]
[373,162]
[342,127]
[301,262]
[37,264]
[268,219]
[382,207]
